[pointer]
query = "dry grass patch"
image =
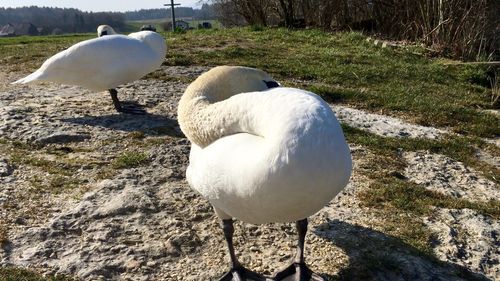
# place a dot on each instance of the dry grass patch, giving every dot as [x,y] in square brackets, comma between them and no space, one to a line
[21,274]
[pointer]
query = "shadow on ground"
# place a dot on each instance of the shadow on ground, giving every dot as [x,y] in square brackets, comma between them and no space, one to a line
[374,255]
[149,124]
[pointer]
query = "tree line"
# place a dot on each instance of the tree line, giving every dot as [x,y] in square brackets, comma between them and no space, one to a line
[67,20]
[468,29]
[206,12]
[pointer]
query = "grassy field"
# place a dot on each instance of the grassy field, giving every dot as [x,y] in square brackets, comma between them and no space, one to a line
[406,82]
[342,67]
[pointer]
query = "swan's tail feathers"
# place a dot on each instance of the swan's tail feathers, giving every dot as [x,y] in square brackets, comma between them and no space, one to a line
[37,75]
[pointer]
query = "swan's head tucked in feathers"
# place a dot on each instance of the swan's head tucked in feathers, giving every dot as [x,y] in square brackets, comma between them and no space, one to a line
[105,30]
[198,106]
[223,82]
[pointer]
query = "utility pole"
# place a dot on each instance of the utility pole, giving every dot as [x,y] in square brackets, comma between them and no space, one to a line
[172,5]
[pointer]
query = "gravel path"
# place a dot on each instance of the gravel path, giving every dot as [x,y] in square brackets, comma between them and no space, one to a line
[384,125]
[145,223]
[442,174]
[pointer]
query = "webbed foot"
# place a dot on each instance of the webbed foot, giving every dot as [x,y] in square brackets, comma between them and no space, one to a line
[131,108]
[242,274]
[125,107]
[297,272]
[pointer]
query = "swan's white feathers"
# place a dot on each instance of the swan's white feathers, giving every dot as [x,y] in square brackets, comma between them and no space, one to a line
[103,63]
[283,160]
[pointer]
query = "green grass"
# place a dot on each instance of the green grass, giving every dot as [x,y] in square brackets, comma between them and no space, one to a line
[130,159]
[27,53]
[60,172]
[194,23]
[342,67]
[346,68]
[401,203]
[459,148]
[133,26]
[20,274]
[415,199]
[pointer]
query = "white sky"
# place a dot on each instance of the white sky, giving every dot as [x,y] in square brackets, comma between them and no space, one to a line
[98,5]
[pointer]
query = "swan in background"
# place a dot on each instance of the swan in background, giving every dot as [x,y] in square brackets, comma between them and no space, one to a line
[104,63]
[262,153]
[105,30]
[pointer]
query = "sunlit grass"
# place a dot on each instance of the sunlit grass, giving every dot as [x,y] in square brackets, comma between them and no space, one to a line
[130,159]
[340,66]
[343,66]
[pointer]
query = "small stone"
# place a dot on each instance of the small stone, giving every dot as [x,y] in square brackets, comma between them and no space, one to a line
[5,168]
[254,249]
[132,264]
[172,250]
[397,174]
[20,221]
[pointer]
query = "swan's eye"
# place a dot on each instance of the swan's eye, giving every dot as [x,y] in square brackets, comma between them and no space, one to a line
[271,84]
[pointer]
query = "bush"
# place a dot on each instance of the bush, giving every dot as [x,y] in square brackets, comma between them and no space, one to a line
[464,29]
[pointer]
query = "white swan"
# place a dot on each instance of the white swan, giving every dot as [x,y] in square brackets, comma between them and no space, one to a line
[104,63]
[262,153]
[105,30]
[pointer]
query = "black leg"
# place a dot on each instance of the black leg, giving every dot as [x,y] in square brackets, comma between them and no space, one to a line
[237,272]
[228,228]
[301,231]
[114,97]
[136,109]
[298,269]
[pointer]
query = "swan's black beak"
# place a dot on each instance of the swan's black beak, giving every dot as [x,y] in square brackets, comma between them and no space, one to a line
[272,84]
[148,27]
[104,32]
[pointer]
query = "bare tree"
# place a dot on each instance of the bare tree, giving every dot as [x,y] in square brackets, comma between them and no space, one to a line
[466,28]
[254,12]
[287,11]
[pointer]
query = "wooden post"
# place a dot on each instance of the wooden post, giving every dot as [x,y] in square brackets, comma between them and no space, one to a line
[172,5]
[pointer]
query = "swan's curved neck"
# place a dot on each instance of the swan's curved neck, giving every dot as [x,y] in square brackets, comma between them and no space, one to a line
[212,108]
[205,114]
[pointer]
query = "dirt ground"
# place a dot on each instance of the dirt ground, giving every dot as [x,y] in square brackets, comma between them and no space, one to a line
[69,208]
